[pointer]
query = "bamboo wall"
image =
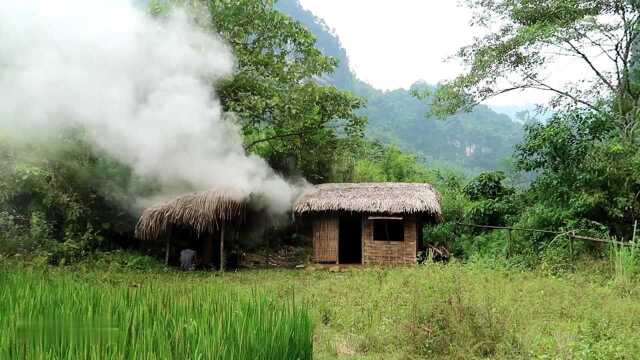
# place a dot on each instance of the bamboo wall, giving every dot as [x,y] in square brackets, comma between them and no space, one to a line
[325,239]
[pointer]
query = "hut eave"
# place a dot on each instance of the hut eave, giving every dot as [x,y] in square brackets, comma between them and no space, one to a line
[203,212]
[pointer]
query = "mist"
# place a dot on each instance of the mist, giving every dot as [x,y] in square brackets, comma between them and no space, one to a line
[140,87]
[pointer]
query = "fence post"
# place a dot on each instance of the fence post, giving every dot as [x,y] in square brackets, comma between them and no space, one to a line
[509,243]
[571,240]
[635,225]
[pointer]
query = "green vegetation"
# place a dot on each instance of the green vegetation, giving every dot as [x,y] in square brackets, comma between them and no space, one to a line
[60,315]
[585,157]
[505,295]
[454,311]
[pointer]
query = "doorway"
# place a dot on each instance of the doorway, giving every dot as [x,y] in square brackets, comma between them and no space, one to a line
[350,239]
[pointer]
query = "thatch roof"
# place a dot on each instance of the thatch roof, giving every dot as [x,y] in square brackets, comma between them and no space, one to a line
[203,212]
[388,198]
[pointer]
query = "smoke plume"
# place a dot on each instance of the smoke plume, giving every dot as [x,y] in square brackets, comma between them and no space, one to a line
[140,87]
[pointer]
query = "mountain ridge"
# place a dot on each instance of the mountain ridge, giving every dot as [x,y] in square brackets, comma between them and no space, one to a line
[478,140]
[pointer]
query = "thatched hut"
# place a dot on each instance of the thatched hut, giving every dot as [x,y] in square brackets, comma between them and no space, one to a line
[203,216]
[368,223]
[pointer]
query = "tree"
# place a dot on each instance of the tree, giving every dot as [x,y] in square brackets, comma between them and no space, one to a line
[587,176]
[602,34]
[489,199]
[285,115]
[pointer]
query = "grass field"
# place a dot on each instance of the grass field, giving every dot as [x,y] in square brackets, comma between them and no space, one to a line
[66,316]
[458,311]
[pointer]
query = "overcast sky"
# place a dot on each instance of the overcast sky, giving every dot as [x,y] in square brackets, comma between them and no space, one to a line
[392,44]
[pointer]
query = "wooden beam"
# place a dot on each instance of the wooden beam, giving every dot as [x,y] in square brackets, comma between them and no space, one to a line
[338,244]
[588,238]
[509,228]
[386,218]
[571,234]
[363,226]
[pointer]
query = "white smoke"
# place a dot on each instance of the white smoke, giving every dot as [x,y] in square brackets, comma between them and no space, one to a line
[140,87]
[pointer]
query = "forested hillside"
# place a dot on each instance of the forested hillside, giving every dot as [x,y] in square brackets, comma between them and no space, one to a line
[481,139]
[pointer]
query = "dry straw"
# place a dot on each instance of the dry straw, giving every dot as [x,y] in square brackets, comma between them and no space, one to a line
[204,212]
[387,198]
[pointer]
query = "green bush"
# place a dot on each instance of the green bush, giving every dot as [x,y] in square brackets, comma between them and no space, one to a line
[63,198]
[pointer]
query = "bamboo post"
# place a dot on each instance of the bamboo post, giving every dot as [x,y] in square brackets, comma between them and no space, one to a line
[635,225]
[222,247]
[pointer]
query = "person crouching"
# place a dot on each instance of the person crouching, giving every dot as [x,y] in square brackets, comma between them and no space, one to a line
[188,259]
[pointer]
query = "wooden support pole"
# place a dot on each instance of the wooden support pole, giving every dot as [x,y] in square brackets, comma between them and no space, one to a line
[222,247]
[167,250]
[635,225]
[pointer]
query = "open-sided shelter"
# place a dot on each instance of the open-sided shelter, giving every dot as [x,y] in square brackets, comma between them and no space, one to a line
[368,223]
[204,216]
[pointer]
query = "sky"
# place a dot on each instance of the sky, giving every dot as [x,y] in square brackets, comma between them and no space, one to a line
[392,44]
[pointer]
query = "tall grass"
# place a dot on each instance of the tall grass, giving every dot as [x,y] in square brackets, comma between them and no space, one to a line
[59,317]
[625,261]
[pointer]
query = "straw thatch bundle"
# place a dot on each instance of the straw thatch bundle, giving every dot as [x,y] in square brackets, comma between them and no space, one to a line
[203,212]
[388,198]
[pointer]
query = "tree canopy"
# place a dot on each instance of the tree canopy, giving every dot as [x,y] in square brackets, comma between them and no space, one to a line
[601,34]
